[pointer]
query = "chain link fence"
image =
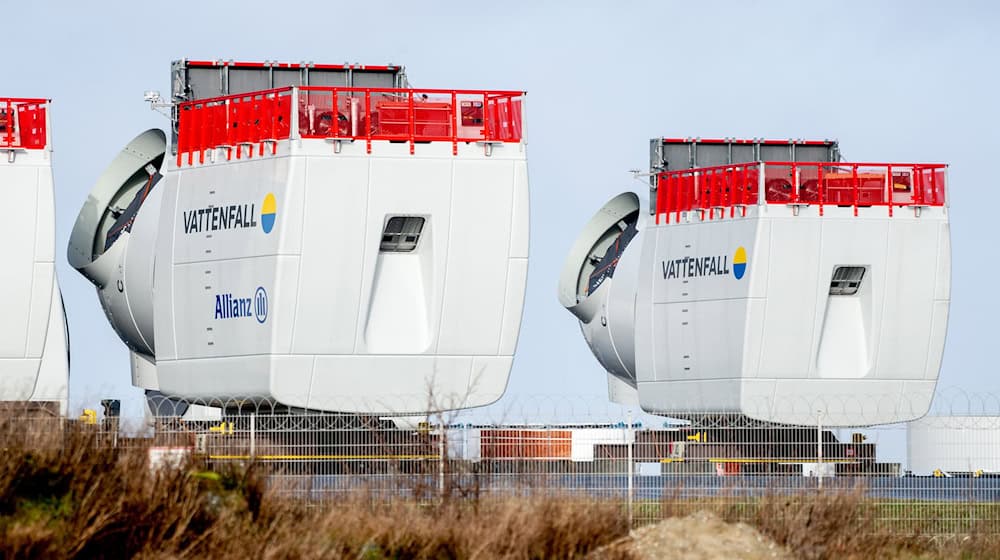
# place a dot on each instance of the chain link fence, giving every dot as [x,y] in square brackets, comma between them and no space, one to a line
[936,476]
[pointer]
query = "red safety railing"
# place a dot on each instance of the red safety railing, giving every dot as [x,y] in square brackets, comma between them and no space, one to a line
[717,191]
[239,124]
[22,123]
[242,123]
[428,115]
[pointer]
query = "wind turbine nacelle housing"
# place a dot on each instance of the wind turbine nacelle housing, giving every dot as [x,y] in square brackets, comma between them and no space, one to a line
[598,285]
[357,276]
[796,292]
[34,342]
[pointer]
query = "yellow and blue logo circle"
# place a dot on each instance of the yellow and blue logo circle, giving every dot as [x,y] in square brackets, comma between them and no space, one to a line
[268,213]
[740,262]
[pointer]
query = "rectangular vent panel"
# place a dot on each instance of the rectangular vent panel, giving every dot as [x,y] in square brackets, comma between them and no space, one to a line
[846,280]
[401,234]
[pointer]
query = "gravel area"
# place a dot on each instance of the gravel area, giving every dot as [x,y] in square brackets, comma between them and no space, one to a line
[700,535]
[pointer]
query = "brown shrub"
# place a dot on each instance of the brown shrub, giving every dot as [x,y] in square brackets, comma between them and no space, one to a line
[831,524]
[67,494]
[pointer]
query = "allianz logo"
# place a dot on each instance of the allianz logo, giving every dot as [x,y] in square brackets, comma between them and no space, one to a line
[228,306]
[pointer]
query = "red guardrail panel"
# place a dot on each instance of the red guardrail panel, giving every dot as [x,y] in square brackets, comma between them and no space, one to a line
[23,123]
[425,115]
[240,124]
[713,190]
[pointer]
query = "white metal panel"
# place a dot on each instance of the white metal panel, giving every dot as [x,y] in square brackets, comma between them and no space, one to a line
[520,214]
[942,282]
[718,329]
[53,370]
[221,317]
[753,337]
[44,290]
[164,320]
[19,378]
[20,184]
[718,396]
[391,383]
[912,264]
[488,379]
[291,379]
[513,305]
[238,191]
[216,378]
[622,393]
[647,368]
[399,311]
[333,246]
[143,369]
[674,358]
[45,218]
[410,187]
[792,292]
[938,330]
[845,340]
[478,251]
[41,301]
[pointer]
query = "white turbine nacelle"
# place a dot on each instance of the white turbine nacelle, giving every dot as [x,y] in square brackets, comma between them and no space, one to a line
[356,251]
[34,344]
[114,249]
[598,285]
[796,293]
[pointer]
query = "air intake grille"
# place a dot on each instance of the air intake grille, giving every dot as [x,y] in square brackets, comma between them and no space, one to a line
[401,234]
[846,280]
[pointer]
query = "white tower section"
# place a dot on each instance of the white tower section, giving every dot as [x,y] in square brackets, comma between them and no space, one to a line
[364,252]
[791,292]
[34,359]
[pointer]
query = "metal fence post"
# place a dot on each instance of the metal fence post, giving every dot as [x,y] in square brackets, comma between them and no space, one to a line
[819,447]
[630,441]
[253,435]
[441,452]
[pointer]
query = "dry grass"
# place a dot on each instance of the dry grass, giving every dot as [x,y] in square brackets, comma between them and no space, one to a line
[845,524]
[66,494]
[840,524]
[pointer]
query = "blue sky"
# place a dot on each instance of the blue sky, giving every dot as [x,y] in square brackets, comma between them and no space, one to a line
[908,81]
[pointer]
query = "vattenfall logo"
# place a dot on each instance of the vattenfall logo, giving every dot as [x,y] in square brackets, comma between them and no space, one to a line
[233,216]
[698,267]
[228,306]
[739,262]
[268,213]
